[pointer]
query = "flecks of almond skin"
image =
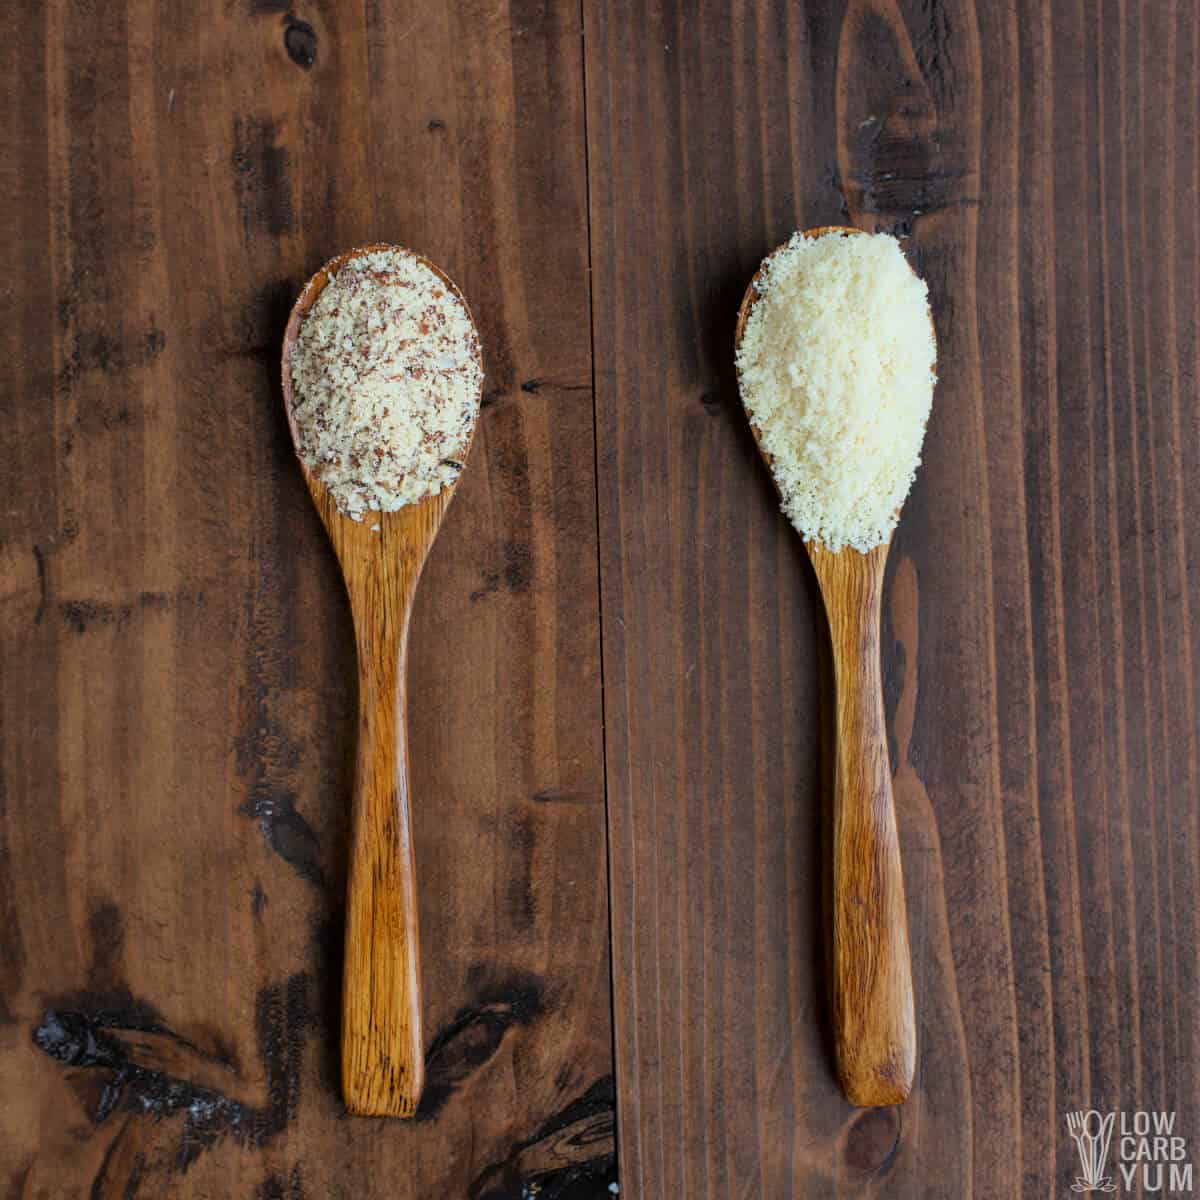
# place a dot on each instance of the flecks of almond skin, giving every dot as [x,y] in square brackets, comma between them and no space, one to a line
[387,374]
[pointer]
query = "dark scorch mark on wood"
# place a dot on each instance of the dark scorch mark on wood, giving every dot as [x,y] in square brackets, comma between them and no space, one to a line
[82,615]
[279,1187]
[97,1038]
[502,1000]
[266,758]
[108,352]
[518,566]
[106,931]
[300,42]
[571,1157]
[514,576]
[132,1180]
[40,559]
[260,325]
[555,795]
[260,171]
[534,386]
[286,830]
[84,1040]
[329,946]
[522,901]
[258,899]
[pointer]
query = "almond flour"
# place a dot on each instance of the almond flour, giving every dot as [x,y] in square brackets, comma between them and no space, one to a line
[386,382]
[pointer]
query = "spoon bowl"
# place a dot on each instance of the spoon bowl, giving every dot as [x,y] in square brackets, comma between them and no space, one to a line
[331,516]
[873,1012]
[381,559]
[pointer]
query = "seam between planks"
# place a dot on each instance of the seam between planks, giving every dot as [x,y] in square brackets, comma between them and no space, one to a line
[608,877]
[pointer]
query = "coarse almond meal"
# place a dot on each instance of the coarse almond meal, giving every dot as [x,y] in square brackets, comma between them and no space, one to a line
[836,367]
[386,380]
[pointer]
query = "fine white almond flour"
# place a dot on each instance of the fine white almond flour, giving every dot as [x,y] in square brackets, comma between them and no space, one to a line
[836,369]
[386,381]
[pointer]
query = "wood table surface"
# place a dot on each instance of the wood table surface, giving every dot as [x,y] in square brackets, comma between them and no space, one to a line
[619,671]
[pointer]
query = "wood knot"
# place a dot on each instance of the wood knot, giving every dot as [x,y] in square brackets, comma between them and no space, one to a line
[872,1141]
[900,151]
[300,42]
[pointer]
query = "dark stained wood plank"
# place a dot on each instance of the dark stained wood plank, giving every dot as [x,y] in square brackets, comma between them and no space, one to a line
[172,823]
[178,702]
[1040,659]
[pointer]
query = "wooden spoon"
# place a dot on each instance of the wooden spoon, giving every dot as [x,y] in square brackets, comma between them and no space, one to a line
[874,1025]
[382,1052]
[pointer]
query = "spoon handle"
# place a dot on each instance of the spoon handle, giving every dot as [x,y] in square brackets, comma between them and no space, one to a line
[382,1053]
[874,1023]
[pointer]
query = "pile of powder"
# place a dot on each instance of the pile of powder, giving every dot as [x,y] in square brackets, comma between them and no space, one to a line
[386,381]
[836,367]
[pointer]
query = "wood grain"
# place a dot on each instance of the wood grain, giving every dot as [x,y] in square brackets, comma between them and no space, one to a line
[1039,608]
[383,1070]
[176,776]
[178,759]
[874,1027]
[382,557]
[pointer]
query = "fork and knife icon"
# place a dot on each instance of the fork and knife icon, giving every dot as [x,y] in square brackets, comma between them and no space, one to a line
[1092,1133]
